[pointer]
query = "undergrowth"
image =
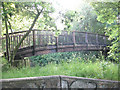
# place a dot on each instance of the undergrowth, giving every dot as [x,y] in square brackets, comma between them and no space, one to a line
[42,60]
[74,66]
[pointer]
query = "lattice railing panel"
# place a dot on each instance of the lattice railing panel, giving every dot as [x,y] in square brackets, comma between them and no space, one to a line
[80,38]
[101,40]
[92,39]
[3,44]
[45,38]
[15,39]
[65,39]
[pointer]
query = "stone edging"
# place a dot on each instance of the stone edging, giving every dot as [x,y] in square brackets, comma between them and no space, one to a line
[58,81]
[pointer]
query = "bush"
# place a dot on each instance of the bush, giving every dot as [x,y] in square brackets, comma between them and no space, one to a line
[4,63]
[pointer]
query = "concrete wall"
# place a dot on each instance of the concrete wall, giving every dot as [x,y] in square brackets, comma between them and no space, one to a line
[58,82]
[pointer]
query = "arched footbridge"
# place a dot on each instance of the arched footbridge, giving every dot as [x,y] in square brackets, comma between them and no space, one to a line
[45,41]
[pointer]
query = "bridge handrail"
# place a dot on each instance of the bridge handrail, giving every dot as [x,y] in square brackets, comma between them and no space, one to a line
[2,38]
[58,30]
[17,32]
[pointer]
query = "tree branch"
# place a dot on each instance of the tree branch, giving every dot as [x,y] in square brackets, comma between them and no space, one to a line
[31,12]
[36,8]
[10,26]
[27,33]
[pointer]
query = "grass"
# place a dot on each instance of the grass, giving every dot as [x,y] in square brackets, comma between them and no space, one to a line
[75,67]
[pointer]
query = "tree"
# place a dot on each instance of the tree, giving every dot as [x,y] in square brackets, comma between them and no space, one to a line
[7,35]
[108,14]
[27,9]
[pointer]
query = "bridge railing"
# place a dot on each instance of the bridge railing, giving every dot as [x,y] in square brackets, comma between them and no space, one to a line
[2,44]
[44,38]
[14,39]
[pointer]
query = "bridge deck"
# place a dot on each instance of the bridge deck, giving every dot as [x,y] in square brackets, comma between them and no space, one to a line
[43,42]
[27,52]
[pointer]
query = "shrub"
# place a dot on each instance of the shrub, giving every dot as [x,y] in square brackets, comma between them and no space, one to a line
[42,60]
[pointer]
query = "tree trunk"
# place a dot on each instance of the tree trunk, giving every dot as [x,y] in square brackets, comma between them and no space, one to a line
[7,34]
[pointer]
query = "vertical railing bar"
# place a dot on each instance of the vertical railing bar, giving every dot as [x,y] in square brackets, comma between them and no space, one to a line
[73,39]
[9,42]
[104,40]
[40,41]
[38,38]
[29,39]
[22,42]
[24,45]
[17,38]
[56,44]
[20,39]
[86,37]
[97,39]
[13,42]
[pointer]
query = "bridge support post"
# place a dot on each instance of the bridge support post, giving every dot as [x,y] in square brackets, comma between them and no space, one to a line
[34,42]
[97,39]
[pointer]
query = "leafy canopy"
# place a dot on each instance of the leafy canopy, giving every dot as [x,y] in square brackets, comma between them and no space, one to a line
[108,14]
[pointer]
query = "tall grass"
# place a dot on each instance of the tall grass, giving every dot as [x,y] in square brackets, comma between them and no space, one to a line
[76,67]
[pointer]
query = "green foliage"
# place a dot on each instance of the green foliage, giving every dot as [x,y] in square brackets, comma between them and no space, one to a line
[21,15]
[63,56]
[84,19]
[107,13]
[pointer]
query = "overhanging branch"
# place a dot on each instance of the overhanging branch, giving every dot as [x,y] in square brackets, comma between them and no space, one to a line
[30,29]
[10,26]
